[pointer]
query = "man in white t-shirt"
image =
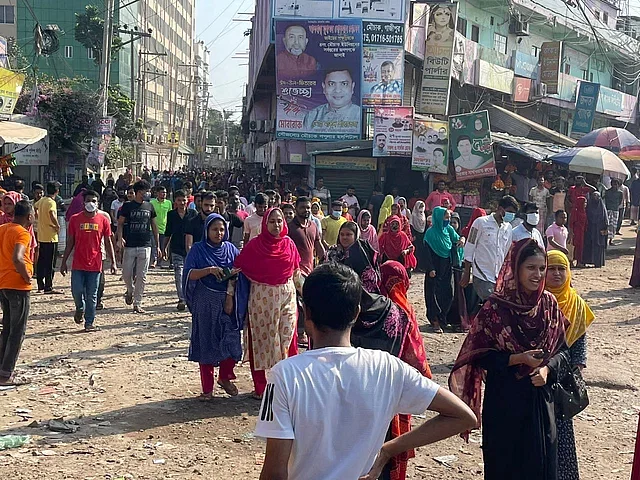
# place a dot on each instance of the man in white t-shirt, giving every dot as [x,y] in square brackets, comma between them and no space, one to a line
[528,228]
[352,201]
[253,223]
[325,413]
[487,246]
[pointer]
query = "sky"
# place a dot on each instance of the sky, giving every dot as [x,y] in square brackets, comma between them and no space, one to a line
[225,38]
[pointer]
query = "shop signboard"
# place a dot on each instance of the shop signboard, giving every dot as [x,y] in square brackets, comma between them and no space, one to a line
[318,68]
[105,125]
[609,101]
[393,131]
[10,88]
[524,65]
[382,63]
[346,163]
[436,72]
[521,89]
[347,9]
[430,146]
[470,141]
[550,55]
[585,109]
[494,77]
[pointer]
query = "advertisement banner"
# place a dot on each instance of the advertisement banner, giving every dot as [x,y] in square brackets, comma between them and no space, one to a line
[318,68]
[346,163]
[430,146]
[347,9]
[525,65]
[471,147]
[585,109]
[105,125]
[10,88]
[393,131]
[436,73]
[521,89]
[550,55]
[494,77]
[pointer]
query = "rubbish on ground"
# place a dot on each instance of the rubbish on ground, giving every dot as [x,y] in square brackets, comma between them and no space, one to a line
[446,460]
[59,425]
[13,441]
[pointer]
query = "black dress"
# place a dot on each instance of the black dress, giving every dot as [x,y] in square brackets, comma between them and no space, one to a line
[420,246]
[519,435]
[438,291]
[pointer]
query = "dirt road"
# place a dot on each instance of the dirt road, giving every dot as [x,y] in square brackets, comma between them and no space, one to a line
[129,392]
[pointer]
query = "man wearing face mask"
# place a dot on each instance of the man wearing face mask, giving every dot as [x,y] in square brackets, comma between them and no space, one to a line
[85,233]
[487,246]
[331,224]
[528,228]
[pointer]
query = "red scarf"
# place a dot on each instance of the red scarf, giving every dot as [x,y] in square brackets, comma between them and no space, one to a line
[477,213]
[268,259]
[393,243]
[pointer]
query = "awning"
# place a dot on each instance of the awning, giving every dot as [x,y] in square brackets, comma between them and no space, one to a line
[12,132]
[186,150]
[503,120]
[535,149]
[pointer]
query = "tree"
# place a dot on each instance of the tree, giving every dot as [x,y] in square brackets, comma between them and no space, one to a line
[120,107]
[89,29]
[216,129]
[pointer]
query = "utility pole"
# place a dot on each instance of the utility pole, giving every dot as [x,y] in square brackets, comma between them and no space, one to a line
[105,60]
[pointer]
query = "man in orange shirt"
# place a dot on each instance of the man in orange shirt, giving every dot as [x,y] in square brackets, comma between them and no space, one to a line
[16,270]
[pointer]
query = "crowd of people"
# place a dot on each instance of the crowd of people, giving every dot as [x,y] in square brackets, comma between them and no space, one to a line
[266,272]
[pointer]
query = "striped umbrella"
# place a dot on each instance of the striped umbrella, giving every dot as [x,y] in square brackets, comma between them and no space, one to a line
[594,160]
[616,140]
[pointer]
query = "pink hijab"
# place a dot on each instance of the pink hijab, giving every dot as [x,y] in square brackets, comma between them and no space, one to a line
[268,259]
[6,218]
[369,234]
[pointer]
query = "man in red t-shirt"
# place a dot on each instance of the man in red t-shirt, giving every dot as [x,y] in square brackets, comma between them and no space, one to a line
[85,233]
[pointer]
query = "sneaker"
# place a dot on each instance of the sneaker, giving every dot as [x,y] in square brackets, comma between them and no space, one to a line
[100,306]
[128,298]
[53,292]
[77,317]
[181,306]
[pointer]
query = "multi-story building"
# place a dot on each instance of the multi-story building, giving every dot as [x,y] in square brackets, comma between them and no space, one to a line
[157,69]
[496,58]
[199,129]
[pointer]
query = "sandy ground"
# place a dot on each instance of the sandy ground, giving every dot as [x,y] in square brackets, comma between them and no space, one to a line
[131,391]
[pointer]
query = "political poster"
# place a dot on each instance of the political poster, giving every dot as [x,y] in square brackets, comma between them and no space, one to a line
[392,131]
[470,141]
[438,56]
[10,88]
[318,72]
[382,63]
[430,146]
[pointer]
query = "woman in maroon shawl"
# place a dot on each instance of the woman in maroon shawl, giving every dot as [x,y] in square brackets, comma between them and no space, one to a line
[477,212]
[578,227]
[514,346]
[397,245]
[270,261]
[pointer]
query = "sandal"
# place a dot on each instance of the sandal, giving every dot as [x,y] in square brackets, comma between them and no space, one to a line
[437,329]
[255,396]
[229,387]
[205,397]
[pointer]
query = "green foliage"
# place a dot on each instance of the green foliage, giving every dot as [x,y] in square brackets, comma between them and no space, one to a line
[216,128]
[121,108]
[89,29]
[118,155]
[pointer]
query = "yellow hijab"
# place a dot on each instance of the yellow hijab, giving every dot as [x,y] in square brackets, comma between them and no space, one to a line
[385,210]
[571,304]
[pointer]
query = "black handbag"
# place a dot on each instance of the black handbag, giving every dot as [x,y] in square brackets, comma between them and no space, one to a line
[570,391]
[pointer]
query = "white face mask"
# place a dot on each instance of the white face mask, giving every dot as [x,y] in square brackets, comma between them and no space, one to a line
[533,219]
[91,207]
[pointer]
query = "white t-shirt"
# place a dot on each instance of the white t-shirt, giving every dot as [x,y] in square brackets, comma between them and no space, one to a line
[487,247]
[336,404]
[115,206]
[253,225]
[521,232]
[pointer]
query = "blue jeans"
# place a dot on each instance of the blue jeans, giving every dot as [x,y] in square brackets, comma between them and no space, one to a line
[84,288]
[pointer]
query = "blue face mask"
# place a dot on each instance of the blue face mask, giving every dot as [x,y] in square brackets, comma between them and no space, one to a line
[509,217]
[445,223]
[336,213]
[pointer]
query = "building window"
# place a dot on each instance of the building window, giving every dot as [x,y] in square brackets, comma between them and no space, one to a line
[598,65]
[535,51]
[585,74]
[91,54]
[500,43]
[591,76]
[68,51]
[605,17]
[596,13]
[462,26]
[7,14]
[475,33]
[567,68]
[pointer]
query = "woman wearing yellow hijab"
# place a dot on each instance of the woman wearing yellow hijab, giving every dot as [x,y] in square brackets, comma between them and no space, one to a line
[580,316]
[385,211]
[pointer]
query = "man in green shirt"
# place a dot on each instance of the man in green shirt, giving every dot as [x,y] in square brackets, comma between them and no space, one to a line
[162,206]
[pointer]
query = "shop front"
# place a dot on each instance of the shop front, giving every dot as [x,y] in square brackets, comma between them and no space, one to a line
[339,172]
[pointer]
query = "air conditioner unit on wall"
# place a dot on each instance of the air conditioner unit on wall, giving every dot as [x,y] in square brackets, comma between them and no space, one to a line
[541,89]
[518,26]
